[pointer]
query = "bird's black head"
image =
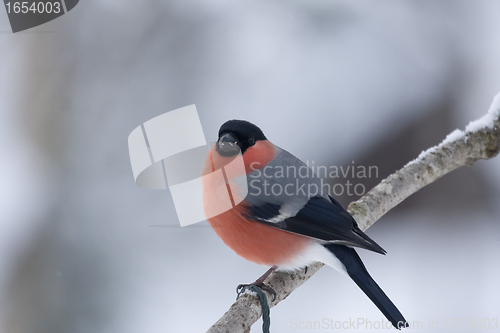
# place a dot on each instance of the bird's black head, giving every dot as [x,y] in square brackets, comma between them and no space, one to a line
[236,135]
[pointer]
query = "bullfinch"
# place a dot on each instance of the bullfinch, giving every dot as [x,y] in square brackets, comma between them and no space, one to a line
[285,220]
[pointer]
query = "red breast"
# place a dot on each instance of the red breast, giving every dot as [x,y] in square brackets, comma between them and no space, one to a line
[251,240]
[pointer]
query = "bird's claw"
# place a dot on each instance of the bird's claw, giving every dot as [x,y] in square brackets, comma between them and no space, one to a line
[261,285]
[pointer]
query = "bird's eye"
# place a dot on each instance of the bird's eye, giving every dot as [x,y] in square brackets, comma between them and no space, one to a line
[251,142]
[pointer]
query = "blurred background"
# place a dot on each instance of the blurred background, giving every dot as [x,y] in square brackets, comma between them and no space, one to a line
[369,83]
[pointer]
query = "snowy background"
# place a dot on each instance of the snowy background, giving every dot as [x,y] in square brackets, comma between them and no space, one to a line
[83,249]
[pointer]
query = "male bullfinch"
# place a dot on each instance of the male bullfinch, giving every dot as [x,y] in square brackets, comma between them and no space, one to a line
[282,222]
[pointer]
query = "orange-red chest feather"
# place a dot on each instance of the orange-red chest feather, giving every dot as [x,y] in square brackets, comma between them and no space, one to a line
[251,240]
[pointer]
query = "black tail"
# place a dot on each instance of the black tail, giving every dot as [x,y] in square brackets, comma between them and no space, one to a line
[359,274]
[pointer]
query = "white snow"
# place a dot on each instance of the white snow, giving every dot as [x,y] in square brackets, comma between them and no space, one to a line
[249,292]
[423,154]
[485,121]
[453,136]
[488,119]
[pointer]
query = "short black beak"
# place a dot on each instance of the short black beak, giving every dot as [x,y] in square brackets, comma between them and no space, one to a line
[228,145]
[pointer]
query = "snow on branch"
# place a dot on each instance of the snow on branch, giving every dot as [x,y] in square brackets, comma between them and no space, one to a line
[480,140]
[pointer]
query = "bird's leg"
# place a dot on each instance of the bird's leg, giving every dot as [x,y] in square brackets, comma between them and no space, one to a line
[265,276]
[260,283]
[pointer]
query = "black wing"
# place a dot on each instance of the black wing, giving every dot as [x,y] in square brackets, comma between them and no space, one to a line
[320,218]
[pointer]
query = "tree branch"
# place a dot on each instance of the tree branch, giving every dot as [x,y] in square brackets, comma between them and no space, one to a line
[480,140]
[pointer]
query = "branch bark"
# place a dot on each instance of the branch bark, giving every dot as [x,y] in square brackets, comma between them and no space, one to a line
[480,140]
